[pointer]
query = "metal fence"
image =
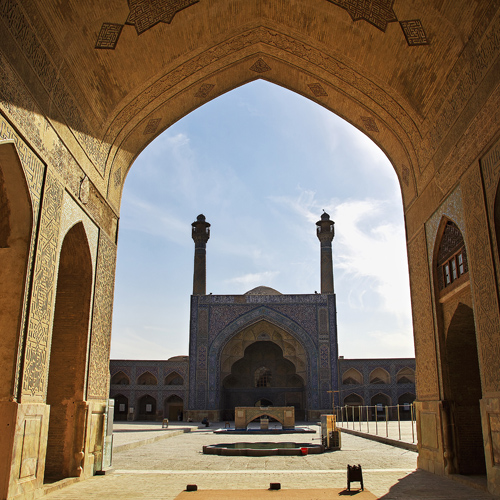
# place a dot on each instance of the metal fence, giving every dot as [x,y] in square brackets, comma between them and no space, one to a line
[397,422]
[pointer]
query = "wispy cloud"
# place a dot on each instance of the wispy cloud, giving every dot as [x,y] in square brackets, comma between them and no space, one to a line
[369,252]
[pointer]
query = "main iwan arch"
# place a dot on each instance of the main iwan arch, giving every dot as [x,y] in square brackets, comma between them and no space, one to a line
[86,86]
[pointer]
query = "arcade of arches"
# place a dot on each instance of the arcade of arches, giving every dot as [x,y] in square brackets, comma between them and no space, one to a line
[85,86]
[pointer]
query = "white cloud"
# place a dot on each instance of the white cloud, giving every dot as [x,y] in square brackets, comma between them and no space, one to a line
[379,254]
[369,253]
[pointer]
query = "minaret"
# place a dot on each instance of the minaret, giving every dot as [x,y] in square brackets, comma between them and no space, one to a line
[326,232]
[200,234]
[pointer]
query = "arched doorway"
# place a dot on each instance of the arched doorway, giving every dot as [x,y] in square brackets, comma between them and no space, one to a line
[147,408]
[263,374]
[67,370]
[174,408]
[16,220]
[353,403]
[459,354]
[463,391]
[405,402]
[379,402]
[121,407]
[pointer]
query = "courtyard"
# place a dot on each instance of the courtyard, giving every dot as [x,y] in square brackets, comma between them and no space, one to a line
[163,467]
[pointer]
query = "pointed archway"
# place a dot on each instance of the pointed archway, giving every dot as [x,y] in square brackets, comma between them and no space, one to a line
[68,358]
[463,390]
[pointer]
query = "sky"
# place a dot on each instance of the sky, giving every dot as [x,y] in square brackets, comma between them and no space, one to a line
[261,163]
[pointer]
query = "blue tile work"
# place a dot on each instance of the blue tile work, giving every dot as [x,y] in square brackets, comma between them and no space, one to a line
[229,314]
[367,390]
[160,369]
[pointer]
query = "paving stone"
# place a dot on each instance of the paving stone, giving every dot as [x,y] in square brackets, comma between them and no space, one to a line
[161,470]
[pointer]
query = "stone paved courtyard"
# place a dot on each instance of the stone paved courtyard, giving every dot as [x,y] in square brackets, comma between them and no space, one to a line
[162,469]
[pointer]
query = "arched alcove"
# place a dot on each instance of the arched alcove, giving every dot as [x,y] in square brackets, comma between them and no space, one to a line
[380,376]
[68,357]
[120,378]
[147,378]
[16,222]
[352,377]
[405,376]
[459,354]
[263,373]
[174,379]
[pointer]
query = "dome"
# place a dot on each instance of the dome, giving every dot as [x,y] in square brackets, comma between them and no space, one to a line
[263,290]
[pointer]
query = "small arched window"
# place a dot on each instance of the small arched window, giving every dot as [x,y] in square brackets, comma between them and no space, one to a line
[262,377]
[452,256]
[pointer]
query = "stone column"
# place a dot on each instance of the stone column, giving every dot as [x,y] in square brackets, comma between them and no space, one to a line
[200,234]
[325,233]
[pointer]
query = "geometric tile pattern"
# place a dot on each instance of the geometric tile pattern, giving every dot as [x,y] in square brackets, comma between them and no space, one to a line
[367,390]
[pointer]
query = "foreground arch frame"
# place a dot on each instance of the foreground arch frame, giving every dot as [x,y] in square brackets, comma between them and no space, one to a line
[422,81]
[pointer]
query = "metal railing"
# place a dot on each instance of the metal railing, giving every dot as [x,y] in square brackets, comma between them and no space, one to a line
[396,420]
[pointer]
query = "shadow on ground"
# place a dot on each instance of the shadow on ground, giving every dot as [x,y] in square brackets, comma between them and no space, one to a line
[424,485]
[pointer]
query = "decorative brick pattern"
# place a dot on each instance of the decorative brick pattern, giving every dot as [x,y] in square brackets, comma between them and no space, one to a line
[423,322]
[318,90]
[414,32]
[369,123]
[108,36]
[43,293]
[376,12]
[51,78]
[144,14]
[204,90]
[482,279]
[260,66]
[102,317]
[117,176]
[152,126]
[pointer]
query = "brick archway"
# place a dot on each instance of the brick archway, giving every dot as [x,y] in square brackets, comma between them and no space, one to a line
[420,80]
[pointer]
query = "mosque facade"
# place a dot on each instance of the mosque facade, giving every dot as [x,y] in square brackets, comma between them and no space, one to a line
[262,348]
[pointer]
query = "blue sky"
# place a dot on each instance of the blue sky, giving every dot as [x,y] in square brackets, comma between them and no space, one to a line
[261,163]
